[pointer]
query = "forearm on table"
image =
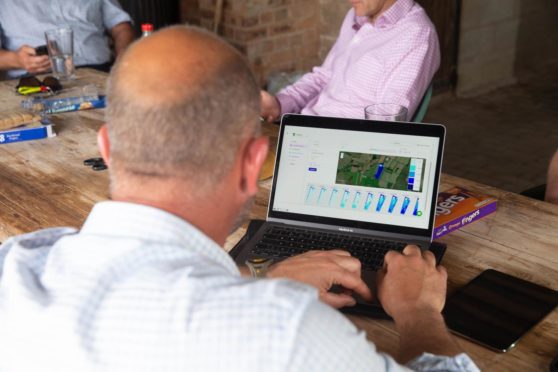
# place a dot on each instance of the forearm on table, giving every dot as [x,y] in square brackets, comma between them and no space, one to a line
[424,333]
[8,60]
[296,96]
[122,35]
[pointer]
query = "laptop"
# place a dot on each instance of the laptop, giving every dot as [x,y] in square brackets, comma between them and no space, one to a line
[359,185]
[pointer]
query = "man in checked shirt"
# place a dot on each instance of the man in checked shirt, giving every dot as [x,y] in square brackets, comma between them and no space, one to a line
[387,51]
[145,284]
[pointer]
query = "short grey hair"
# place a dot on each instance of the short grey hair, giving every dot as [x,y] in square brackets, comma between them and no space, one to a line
[195,136]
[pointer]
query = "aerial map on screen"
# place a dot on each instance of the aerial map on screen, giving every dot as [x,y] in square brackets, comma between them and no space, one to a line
[380,171]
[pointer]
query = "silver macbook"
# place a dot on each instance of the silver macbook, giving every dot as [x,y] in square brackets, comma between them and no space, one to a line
[359,185]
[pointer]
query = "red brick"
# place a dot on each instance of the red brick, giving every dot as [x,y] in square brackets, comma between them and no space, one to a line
[250,22]
[266,17]
[281,29]
[281,14]
[248,35]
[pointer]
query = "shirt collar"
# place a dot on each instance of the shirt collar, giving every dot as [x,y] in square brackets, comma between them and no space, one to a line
[120,219]
[390,17]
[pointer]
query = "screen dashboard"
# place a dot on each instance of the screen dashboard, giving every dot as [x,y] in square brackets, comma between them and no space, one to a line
[370,177]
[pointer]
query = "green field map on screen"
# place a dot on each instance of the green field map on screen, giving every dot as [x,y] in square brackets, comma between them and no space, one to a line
[372,170]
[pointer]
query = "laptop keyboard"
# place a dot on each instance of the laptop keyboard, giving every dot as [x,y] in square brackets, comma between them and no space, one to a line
[282,242]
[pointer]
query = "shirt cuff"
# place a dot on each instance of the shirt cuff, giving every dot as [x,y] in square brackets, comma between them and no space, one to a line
[429,362]
[287,103]
[115,21]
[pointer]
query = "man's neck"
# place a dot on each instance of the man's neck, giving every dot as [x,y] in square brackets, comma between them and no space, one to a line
[388,4]
[206,213]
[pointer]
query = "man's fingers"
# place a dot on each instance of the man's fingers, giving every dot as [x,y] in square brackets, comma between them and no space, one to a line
[336,252]
[411,250]
[380,274]
[388,257]
[429,257]
[353,282]
[35,64]
[348,263]
[442,270]
[28,50]
[39,69]
[339,252]
[40,62]
[337,300]
[341,258]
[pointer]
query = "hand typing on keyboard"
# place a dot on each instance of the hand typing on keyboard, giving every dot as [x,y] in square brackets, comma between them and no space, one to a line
[412,289]
[323,270]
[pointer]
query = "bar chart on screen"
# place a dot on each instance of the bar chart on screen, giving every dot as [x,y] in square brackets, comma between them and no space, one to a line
[364,200]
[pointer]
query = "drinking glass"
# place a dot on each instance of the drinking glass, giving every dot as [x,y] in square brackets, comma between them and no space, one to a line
[60,45]
[385,112]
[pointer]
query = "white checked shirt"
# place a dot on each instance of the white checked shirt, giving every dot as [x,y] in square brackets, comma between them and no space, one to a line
[139,289]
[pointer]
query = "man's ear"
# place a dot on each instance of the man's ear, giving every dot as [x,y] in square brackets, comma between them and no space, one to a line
[103,143]
[253,159]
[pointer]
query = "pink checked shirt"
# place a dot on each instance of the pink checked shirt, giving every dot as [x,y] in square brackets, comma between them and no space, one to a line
[392,60]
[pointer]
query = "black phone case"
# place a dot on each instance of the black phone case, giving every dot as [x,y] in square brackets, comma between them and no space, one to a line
[41,50]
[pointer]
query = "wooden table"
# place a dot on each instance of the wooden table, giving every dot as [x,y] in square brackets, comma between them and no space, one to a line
[44,183]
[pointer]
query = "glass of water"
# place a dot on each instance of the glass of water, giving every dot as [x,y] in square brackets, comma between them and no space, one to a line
[385,112]
[60,45]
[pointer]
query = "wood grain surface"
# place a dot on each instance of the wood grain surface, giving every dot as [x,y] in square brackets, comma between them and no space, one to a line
[44,183]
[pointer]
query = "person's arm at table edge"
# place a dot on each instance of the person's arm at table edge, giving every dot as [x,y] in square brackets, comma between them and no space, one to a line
[412,289]
[293,98]
[420,331]
[424,333]
[8,60]
[327,340]
[551,194]
[122,35]
[24,58]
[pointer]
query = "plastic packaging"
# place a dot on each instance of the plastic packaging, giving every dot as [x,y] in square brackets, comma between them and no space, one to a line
[89,98]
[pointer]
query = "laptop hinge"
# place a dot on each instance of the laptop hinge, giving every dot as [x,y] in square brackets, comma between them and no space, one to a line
[414,239]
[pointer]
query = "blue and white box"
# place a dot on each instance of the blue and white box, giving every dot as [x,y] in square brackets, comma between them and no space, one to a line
[27,133]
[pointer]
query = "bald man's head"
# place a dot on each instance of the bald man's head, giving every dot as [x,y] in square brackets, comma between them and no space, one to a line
[179,103]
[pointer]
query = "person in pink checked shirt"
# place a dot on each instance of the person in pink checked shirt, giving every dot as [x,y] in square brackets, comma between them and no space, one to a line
[387,52]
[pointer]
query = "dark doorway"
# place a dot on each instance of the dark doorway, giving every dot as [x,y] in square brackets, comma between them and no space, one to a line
[445,15]
[160,13]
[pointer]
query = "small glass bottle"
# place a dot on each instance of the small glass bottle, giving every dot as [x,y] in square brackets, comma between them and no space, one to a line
[146,29]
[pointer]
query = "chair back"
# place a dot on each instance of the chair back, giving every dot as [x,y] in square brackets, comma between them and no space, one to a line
[423,106]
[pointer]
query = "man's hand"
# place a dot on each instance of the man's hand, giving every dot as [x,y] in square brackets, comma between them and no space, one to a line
[410,283]
[270,108]
[413,291]
[29,61]
[322,270]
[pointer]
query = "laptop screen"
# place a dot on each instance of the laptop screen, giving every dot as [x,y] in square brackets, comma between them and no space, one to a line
[374,177]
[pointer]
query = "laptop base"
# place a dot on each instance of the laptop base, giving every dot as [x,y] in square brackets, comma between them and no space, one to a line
[369,310]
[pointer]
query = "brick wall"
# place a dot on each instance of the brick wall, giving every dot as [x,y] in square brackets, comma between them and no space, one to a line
[275,35]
